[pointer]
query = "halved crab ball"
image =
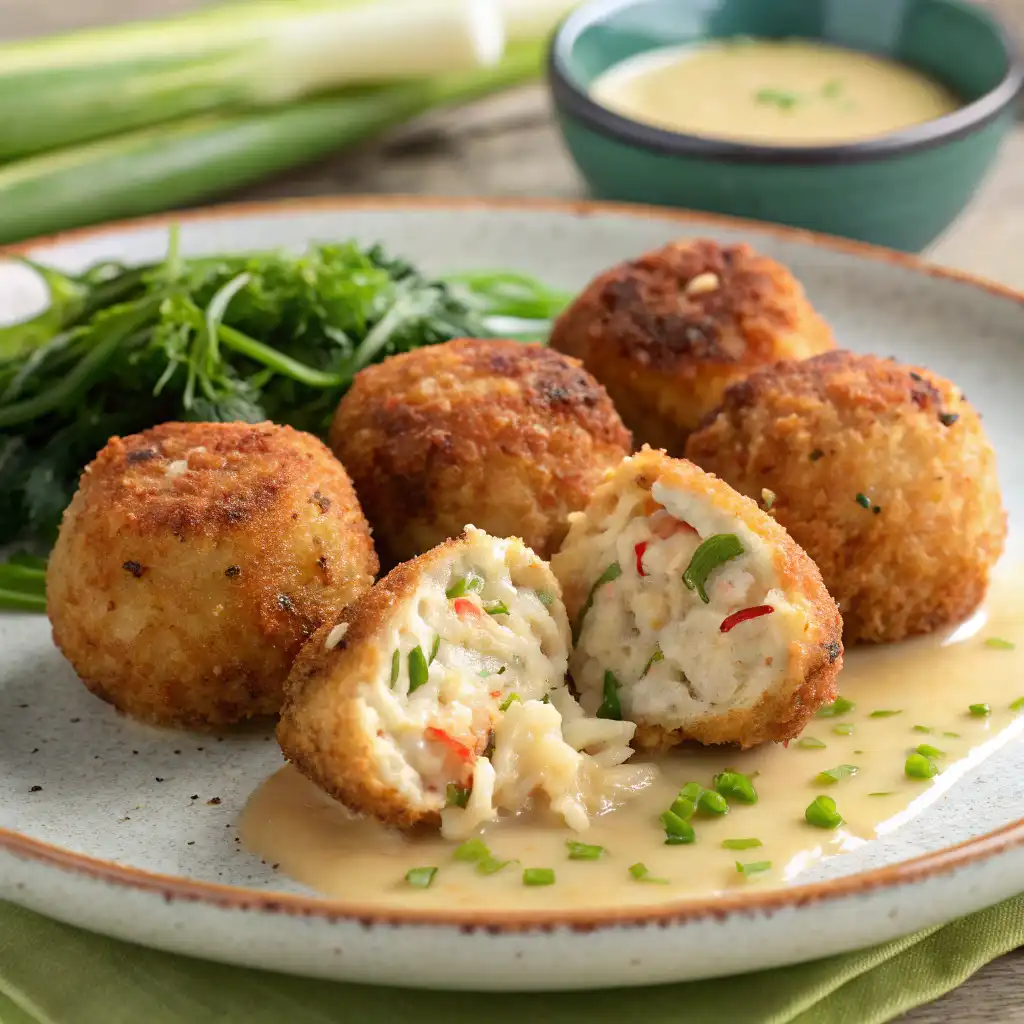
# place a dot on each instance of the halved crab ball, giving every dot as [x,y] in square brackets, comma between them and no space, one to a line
[695,614]
[394,709]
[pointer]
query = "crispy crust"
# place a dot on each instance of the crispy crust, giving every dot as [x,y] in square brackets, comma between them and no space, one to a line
[164,589]
[320,718]
[507,436]
[666,356]
[815,661]
[822,432]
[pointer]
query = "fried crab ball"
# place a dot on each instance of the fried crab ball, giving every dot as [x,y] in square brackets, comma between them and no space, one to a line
[695,615]
[194,561]
[881,472]
[439,697]
[667,333]
[508,436]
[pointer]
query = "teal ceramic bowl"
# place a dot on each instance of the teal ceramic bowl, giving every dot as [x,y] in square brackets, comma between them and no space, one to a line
[899,190]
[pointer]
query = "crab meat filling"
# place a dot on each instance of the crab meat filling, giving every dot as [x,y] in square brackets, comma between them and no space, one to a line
[693,620]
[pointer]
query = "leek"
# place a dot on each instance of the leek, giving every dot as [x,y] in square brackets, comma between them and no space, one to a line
[180,163]
[70,89]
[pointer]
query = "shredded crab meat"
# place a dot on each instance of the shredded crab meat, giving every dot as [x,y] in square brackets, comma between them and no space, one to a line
[665,646]
[479,649]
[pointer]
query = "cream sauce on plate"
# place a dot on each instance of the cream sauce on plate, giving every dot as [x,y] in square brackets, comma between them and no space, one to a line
[930,682]
[788,92]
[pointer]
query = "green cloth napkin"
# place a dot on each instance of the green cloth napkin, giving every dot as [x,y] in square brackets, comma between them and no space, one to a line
[103,981]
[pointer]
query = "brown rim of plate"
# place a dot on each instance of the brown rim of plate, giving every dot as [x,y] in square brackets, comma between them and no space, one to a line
[173,888]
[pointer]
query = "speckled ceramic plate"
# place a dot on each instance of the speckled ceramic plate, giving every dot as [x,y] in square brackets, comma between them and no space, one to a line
[130,830]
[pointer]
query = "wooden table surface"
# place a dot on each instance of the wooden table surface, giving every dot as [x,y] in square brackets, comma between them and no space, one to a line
[508,146]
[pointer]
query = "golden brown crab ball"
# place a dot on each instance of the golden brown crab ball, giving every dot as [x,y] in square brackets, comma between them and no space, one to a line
[667,333]
[509,437]
[881,472]
[439,696]
[694,614]
[193,562]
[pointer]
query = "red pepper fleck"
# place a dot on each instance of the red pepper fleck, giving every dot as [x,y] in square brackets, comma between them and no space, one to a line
[463,607]
[460,749]
[746,613]
[640,549]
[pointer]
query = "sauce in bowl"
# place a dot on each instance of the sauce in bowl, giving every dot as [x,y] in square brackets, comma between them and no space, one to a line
[908,700]
[792,92]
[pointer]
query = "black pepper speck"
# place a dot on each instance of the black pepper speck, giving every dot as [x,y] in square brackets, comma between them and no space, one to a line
[134,568]
[74,721]
[158,779]
[191,842]
[947,419]
[35,789]
[213,801]
[816,454]
[285,603]
[194,796]
[232,571]
[877,510]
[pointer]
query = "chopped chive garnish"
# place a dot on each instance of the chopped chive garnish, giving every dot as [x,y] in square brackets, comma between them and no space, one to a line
[468,584]
[927,750]
[919,767]
[545,597]
[821,812]
[496,608]
[677,831]
[736,785]
[685,804]
[491,865]
[612,573]
[418,669]
[890,793]
[816,454]
[653,660]
[838,707]
[610,706]
[583,851]
[539,876]
[884,713]
[756,868]
[780,98]
[456,796]
[641,874]
[713,803]
[830,90]
[472,850]
[1018,704]
[843,729]
[396,666]
[952,735]
[924,728]
[741,844]
[435,648]
[712,553]
[999,644]
[512,698]
[683,807]
[810,743]
[863,500]
[420,878]
[832,775]
[691,791]
[979,710]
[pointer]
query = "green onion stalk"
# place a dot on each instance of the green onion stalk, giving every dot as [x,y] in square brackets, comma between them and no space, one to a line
[63,90]
[187,161]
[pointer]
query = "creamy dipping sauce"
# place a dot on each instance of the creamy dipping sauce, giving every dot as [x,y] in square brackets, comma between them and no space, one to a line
[787,92]
[930,683]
